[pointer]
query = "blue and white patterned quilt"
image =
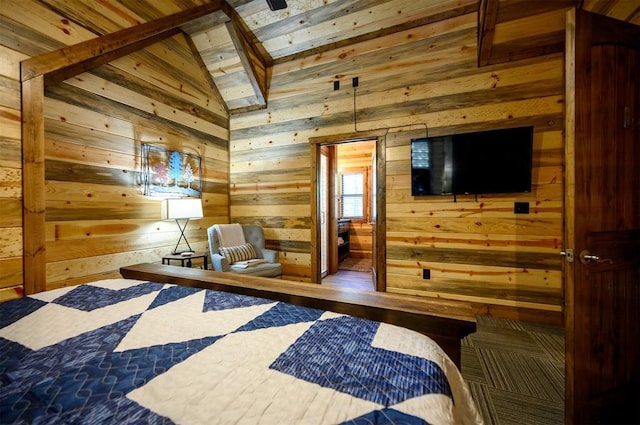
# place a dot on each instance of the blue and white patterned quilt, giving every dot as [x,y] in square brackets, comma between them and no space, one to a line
[125,351]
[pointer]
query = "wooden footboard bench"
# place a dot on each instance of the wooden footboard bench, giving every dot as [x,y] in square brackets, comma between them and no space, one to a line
[444,322]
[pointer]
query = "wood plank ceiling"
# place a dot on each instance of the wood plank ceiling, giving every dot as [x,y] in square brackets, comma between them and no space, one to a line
[241,43]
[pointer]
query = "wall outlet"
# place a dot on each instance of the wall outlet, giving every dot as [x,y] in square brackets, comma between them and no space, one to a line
[426,274]
[521,208]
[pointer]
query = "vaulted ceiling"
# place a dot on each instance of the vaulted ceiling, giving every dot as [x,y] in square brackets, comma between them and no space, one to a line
[243,40]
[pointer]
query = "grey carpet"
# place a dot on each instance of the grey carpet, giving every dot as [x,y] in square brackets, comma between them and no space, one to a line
[515,371]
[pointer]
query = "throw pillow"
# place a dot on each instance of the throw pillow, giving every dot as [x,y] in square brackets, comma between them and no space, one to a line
[238,253]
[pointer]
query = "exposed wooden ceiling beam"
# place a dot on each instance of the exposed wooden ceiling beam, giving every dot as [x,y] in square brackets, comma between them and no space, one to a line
[487,19]
[205,72]
[255,43]
[497,15]
[256,72]
[71,60]
[243,48]
[516,9]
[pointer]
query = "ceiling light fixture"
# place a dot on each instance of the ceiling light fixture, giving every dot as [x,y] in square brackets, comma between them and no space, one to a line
[277,4]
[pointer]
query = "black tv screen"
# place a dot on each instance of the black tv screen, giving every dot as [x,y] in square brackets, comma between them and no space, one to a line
[495,161]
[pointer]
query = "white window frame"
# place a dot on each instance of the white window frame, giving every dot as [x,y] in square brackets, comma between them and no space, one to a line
[365,195]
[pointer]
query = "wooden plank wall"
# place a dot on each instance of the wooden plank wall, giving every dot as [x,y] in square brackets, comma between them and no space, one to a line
[97,217]
[478,252]
[10,175]
[357,157]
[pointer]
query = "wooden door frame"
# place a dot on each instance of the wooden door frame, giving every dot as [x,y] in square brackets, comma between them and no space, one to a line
[379,260]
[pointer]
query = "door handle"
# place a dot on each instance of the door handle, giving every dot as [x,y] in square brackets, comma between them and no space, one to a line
[586,257]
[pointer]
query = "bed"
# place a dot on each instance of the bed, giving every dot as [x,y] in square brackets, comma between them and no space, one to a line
[138,351]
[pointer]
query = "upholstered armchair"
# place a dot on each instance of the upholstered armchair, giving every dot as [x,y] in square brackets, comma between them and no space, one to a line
[264,262]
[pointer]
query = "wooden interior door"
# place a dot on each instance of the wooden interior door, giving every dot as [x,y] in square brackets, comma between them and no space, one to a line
[325,222]
[602,307]
[332,210]
[374,218]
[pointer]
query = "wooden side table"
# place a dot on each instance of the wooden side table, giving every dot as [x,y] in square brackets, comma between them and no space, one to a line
[187,258]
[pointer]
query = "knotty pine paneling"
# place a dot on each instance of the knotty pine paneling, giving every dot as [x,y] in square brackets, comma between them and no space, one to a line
[97,217]
[479,251]
[10,176]
[360,240]
[423,76]
[92,183]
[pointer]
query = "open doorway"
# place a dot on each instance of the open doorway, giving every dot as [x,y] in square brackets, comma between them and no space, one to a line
[346,186]
[346,200]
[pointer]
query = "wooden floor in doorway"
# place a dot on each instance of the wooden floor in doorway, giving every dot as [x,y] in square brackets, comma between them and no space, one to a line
[350,279]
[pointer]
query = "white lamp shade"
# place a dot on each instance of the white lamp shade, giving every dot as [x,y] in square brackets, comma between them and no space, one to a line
[181,208]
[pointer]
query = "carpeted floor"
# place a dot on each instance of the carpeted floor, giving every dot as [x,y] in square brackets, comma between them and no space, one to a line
[515,371]
[355,264]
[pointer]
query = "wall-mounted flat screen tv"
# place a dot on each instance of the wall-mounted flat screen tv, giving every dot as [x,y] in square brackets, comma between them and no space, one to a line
[495,161]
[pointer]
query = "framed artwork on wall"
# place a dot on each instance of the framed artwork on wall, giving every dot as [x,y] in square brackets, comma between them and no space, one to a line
[170,173]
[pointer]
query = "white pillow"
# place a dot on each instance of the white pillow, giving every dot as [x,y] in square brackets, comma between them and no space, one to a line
[238,253]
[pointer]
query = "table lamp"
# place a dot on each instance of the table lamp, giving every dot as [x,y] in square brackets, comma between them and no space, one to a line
[182,209]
